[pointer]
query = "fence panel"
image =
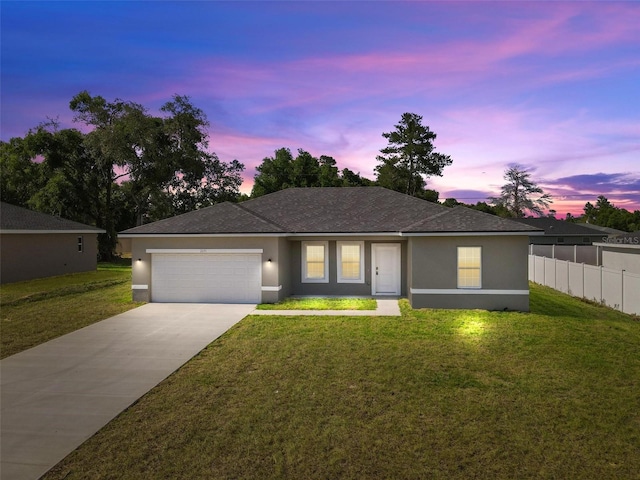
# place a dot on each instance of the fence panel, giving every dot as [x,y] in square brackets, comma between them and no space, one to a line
[615,288]
[542,250]
[588,254]
[562,276]
[564,252]
[550,272]
[592,283]
[612,288]
[631,293]
[576,280]
[532,268]
[539,270]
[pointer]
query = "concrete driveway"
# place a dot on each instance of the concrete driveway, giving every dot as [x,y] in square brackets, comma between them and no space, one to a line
[57,395]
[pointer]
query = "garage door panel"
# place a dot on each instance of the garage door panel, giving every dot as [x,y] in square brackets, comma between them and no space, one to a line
[206,278]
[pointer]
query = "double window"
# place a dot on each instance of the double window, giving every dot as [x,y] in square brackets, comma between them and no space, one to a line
[349,259]
[80,244]
[469,267]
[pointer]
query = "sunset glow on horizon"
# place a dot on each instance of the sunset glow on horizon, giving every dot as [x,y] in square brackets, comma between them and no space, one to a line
[551,86]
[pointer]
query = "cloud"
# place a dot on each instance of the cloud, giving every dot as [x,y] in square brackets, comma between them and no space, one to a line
[467,196]
[623,189]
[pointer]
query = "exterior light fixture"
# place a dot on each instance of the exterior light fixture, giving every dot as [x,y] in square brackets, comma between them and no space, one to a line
[269,261]
[139,259]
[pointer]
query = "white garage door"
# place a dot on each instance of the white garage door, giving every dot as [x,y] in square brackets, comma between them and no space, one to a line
[206,278]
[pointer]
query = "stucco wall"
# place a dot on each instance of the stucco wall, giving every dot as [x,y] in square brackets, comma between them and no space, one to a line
[141,260]
[29,256]
[333,287]
[504,272]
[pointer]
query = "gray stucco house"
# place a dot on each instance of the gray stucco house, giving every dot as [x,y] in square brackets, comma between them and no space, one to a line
[333,241]
[560,232]
[36,245]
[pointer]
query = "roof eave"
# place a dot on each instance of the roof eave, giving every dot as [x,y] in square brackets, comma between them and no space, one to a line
[471,233]
[42,232]
[201,235]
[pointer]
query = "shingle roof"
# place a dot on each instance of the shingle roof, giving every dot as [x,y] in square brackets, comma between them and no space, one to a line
[13,218]
[220,218]
[463,219]
[341,210]
[330,210]
[553,226]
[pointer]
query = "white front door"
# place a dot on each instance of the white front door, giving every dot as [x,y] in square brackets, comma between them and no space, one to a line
[385,268]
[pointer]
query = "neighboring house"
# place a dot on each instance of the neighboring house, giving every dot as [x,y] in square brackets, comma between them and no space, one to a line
[560,232]
[333,241]
[608,231]
[621,252]
[35,245]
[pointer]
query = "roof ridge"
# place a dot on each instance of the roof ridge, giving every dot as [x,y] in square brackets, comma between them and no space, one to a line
[260,217]
[422,220]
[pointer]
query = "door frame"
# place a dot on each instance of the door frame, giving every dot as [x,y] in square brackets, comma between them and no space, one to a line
[397,249]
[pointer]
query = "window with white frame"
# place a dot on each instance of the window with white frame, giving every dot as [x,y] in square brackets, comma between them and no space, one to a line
[80,244]
[469,267]
[315,262]
[350,257]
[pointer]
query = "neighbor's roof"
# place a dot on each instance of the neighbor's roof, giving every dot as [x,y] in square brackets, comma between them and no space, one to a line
[608,230]
[15,219]
[553,226]
[348,210]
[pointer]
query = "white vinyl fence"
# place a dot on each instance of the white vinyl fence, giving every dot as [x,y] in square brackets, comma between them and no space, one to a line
[615,288]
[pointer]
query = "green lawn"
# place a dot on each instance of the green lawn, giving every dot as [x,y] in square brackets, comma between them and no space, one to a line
[36,311]
[433,394]
[321,304]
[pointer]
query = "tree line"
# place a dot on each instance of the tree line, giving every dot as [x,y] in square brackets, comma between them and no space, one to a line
[125,167]
[130,168]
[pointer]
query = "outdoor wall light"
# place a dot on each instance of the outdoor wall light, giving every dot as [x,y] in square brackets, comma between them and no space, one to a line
[269,261]
[139,259]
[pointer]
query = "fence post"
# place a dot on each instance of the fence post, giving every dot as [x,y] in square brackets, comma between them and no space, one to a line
[575,254]
[622,291]
[601,290]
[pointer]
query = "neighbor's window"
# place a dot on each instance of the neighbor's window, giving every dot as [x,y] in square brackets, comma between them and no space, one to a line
[350,262]
[469,267]
[80,244]
[315,262]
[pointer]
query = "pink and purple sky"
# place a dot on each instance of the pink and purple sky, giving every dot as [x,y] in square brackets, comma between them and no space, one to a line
[553,86]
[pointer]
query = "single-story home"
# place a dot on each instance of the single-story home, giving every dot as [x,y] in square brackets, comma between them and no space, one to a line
[356,241]
[37,245]
[561,232]
[621,252]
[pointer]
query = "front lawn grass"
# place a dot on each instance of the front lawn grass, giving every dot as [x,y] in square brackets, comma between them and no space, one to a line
[344,303]
[438,394]
[36,311]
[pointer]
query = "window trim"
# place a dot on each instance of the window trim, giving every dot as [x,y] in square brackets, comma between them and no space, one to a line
[339,246]
[80,244]
[324,279]
[458,268]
